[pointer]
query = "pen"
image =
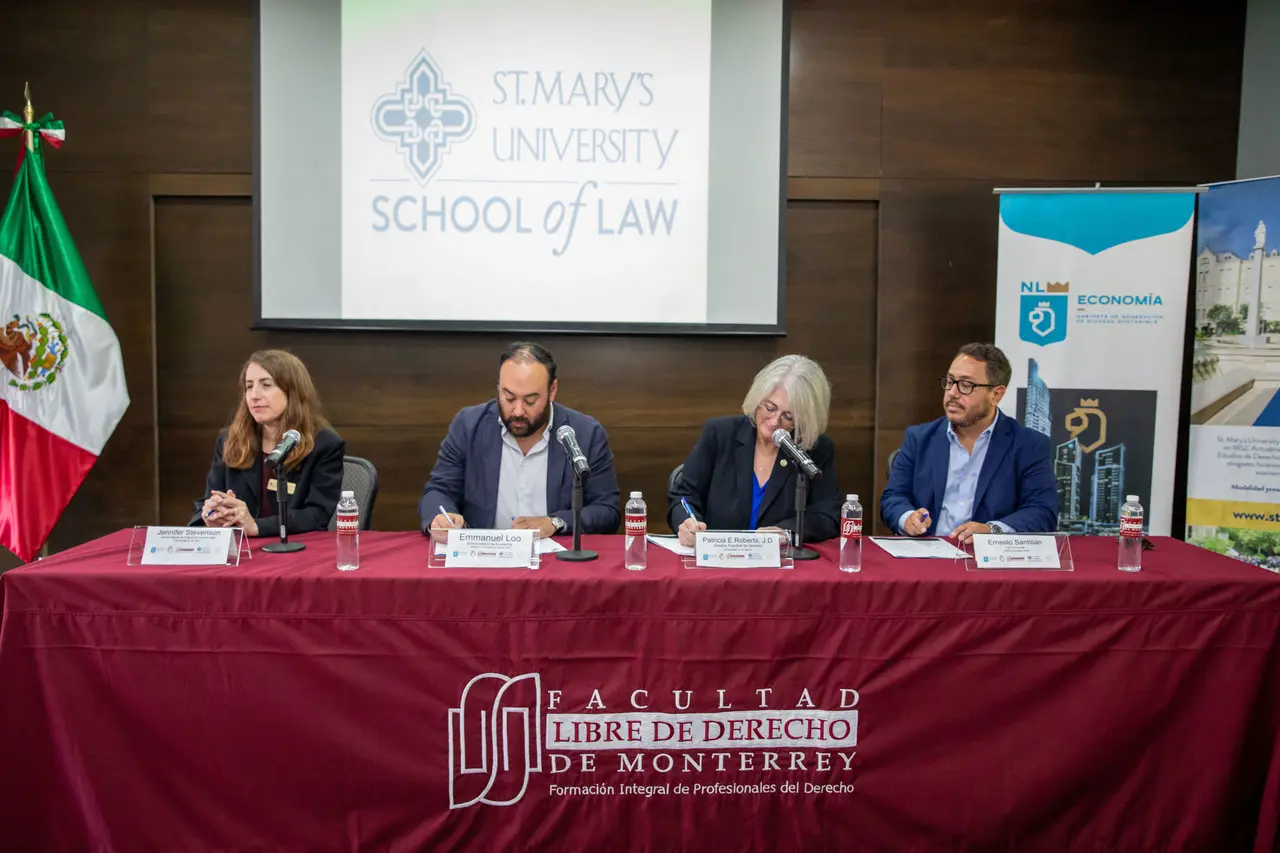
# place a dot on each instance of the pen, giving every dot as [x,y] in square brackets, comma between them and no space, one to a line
[447,518]
[684,503]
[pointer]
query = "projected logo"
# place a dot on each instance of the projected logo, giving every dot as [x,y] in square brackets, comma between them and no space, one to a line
[423,118]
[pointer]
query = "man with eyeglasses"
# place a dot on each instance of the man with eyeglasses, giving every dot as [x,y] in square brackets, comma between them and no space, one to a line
[974,470]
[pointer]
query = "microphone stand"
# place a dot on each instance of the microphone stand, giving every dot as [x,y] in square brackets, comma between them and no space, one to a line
[798,551]
[577,555]
[284,546]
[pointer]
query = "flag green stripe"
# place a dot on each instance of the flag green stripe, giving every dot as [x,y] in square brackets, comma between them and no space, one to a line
[34,235]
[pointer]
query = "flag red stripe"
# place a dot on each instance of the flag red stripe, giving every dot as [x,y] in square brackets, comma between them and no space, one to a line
[39,473]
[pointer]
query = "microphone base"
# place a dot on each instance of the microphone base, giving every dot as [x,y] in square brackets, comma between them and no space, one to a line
[804,554]
[580,556]
[283,547]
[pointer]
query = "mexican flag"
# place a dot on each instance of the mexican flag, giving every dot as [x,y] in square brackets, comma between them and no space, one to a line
[62,388]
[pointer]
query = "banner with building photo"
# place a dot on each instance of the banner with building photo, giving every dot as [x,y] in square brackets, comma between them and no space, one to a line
[1233,471]
[1091,311]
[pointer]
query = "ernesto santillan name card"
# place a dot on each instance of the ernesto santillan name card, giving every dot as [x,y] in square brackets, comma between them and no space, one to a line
[489,549]
[1012,551]
[737,550]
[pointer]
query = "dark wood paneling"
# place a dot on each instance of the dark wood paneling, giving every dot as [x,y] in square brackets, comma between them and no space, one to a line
[86,62]
[936,289]
[392,395]
[204,47]
[834,98]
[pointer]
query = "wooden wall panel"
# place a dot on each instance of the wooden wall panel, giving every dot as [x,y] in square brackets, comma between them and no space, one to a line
[85,60]
[936,289]
[203,47]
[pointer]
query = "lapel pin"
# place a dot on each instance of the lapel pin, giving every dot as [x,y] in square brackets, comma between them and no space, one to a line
[784,463]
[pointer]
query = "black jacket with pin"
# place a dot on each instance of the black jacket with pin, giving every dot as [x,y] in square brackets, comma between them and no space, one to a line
[317,482]
[717,481]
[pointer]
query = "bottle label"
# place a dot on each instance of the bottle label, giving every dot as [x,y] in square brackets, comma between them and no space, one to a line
[348,525]
[637,525]
[851,528]
[1131,526]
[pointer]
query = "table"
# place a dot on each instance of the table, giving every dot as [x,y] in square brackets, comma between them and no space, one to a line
[282,705]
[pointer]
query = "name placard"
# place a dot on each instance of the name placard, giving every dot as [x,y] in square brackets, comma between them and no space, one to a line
[489,549]
[187,546]
[747,550]
[1014,551]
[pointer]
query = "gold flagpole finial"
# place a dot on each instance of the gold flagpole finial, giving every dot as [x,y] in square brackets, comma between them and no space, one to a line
[28,115]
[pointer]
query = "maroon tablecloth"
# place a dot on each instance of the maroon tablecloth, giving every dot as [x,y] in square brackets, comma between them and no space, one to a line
[282,705]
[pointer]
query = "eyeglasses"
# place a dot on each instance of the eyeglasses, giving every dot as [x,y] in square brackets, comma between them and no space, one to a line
[770,410]
[964,385]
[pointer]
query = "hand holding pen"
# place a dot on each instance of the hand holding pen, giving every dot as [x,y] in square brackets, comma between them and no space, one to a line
[689,526]
[443,523]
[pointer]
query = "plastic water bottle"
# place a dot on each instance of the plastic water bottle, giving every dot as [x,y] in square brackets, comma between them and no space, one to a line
[851,535]
[348,533]
[635,557]
[1131,535]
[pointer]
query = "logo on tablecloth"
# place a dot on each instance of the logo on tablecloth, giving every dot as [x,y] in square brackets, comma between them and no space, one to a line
[507,728]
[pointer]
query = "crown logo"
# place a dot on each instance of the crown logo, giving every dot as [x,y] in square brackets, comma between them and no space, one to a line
[1084,401]
[1058,287]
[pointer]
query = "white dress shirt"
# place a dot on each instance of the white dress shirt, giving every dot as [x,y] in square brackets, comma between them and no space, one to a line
[522,477]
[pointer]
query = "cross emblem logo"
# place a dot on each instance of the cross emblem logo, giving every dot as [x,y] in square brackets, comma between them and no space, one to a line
[423,117]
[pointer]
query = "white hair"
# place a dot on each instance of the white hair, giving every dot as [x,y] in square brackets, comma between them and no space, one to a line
[806,385]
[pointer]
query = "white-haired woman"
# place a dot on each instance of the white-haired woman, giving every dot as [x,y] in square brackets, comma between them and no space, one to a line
[736,479]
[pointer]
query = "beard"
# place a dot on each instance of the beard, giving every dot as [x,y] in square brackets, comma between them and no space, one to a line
[970,416]
[525,427]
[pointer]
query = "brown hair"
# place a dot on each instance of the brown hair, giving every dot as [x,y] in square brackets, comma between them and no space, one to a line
[998,370]
[301,411]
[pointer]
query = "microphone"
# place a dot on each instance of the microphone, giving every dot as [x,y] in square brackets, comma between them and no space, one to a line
[566,436]
[782,439]
[287,443]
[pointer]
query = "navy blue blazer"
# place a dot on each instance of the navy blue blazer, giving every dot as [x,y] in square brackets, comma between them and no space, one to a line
[716,481]
[465,477]
[1016,485]
[316,481]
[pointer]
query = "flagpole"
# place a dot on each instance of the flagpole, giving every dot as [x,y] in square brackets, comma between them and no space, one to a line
[28,115]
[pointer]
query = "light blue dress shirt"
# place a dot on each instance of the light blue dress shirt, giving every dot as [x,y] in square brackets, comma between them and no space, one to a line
[963,470]
[522,477]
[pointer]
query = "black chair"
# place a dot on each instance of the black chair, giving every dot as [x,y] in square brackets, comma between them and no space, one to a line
[893,457]
[359,476]
[674,479]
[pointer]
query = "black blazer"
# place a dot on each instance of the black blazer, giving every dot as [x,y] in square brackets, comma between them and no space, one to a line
[717,480]
[317,485]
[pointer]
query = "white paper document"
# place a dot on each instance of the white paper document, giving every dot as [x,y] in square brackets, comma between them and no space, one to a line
[926,548]
[671,543]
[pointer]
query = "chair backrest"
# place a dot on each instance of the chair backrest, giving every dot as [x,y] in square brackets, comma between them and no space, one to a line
[360,476]
[893,457]
[674,479]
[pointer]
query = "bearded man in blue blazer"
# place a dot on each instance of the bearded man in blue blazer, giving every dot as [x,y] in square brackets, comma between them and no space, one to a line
[974,470]
[501,466]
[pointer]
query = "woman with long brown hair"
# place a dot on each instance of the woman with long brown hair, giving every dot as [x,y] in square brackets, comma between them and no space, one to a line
[277,395]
